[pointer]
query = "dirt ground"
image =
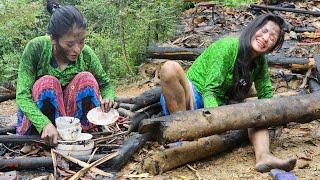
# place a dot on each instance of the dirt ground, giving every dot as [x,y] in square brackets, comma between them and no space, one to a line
[297,140]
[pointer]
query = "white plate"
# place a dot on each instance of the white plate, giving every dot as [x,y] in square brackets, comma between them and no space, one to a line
[98,117]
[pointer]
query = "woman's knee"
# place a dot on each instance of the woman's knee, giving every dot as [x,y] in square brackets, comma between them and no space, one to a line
[45,82]
[170,70]
[84,74]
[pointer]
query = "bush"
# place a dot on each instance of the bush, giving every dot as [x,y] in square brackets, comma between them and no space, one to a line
[20,22]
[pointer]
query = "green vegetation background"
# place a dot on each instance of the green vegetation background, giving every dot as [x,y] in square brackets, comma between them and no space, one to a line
[119,30]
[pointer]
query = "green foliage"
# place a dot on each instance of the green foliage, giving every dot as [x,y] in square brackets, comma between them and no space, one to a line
[20,21]
[134,24]
[119,30]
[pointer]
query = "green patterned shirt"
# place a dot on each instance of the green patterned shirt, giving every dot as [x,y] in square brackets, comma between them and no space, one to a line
[35,62]
[212,72]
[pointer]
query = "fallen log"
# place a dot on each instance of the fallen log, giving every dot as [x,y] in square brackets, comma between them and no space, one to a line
[317,61]
[147,113]
[6,97]
[181,153]
[301,11]
[175,53]
[35,162]
[145,99]
[17,139]
[128,149]
[126,106]
[8,129]
[294,63]
[190,125]
[126,113]
[314,86]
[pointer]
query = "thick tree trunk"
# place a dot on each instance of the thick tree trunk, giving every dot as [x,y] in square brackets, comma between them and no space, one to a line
[190,125]
[181,153]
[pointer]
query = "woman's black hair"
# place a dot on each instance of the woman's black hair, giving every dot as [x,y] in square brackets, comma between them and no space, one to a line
[63,18]
[244,65]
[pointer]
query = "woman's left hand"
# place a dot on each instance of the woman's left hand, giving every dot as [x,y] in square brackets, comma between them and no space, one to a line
[107,104]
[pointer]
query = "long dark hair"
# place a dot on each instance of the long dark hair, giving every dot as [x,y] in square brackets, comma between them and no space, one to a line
[244,65]
[63,18]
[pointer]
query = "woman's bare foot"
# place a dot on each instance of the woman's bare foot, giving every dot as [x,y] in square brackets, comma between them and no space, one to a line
[268,162]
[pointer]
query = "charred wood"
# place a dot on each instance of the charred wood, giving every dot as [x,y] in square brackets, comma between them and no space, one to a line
[147,113]
[301,11]
[314,86]
[17,139]
[6,97]
[143,100]
[8,129]
[35,162]
[128,149]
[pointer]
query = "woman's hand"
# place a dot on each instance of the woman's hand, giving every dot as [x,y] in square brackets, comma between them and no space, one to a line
[50,134]
[107,104]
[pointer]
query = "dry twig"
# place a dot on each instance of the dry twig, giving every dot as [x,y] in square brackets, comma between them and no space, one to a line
[195,171]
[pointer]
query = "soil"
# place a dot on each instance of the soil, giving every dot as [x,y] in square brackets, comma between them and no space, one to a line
[296,140]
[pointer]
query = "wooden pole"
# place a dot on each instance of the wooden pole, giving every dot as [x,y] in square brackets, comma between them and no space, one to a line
[190,125]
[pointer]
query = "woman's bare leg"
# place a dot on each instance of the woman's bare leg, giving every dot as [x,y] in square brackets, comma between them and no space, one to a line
[265,161]
[175,87]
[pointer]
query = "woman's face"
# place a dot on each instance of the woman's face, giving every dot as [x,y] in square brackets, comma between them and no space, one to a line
[265,38]
[69,46]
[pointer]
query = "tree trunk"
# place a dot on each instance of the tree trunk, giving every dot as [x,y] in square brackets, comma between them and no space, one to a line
[181,153]
[190,54]
[190,125]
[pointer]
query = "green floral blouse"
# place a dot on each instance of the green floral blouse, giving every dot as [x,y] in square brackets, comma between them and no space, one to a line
[35,62]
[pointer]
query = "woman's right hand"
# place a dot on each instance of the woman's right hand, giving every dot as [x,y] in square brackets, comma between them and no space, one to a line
[50,134]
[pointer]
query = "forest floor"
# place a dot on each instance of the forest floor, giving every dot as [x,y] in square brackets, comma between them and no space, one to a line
[297,140]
